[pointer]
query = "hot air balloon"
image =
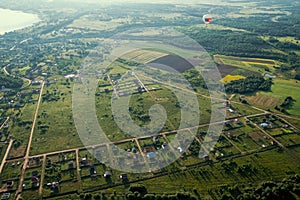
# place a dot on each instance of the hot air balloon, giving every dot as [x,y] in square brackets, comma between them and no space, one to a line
[207,18]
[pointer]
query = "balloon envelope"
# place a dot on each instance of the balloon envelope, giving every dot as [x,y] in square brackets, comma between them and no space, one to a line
[207,18]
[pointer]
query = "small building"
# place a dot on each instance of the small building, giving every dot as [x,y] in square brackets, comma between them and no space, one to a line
[155,139]
[34,173]
[133,149]
[92,170]
[124,177]
[10,184]
[5,196]
[71,165]
[53,186]
[230,110]
[206,157]
[180,149]
[165,146]
[229,135]
[36,82]
[34,181]
[107,174]
[83,161]
[264,125]
[235,120]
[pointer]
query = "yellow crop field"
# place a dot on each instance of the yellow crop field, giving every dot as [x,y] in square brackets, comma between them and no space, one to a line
[230,78]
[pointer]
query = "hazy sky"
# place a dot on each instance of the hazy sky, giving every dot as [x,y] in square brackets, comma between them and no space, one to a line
[145,1]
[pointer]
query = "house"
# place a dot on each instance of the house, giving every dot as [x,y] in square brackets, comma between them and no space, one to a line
[34,173]
[229,135]
[53,186]
[123,176]
[92,170]
[5,196]
[180,149]
[206,157]
[71,165]
[36,82]
[107,174]
[10,184]
[264,125]
[235,120]
[83,161]
[165,146]
[34,181]
[155,139]
[134,150]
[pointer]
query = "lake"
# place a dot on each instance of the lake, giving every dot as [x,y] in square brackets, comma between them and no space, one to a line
[11,20]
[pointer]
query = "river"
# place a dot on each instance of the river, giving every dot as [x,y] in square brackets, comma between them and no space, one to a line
[11,20]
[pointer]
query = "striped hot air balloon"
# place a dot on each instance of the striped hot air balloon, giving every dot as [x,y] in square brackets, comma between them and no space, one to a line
[207,18]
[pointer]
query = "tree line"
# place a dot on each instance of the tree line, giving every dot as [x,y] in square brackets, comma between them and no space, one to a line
[248,85]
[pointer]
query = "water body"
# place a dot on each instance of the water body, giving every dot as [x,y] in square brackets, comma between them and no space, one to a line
[11,20]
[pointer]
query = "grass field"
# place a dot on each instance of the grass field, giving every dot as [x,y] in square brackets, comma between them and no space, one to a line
[283,89]
[263,101]
[143,56]
[84,22]
[55,129]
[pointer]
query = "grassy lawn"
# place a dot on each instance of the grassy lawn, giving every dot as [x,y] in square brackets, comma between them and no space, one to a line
[32,194]
[283,89]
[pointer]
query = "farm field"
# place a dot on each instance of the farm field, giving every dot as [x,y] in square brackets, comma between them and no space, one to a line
[230,78]
[283,89]
[252,64]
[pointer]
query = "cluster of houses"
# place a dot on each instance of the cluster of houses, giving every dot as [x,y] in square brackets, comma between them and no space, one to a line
[92,167]
[127,84]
